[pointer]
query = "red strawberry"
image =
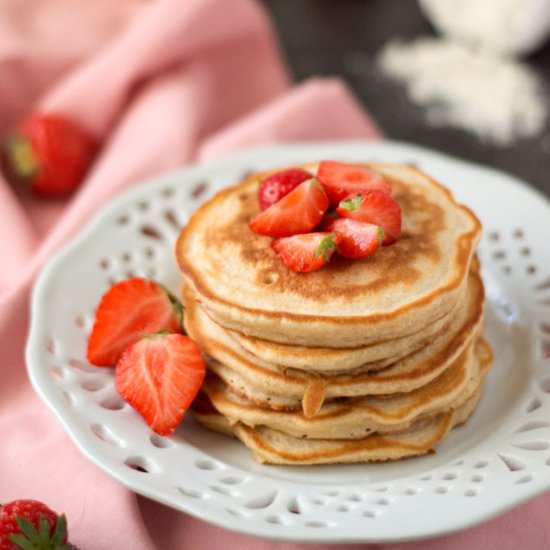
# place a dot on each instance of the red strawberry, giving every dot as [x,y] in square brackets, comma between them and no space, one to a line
[357,239]
[127,311]
[340,180]
[376,207]
[31,525]
[308,252]
[159,376]
[276,186]
[298,212]
[49,152]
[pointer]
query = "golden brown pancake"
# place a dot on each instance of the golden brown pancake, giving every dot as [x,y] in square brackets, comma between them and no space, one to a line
[284,389]
[244,286]
[355,418]
[274,447]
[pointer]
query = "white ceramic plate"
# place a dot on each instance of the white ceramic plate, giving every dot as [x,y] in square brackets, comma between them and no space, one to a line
[499,459]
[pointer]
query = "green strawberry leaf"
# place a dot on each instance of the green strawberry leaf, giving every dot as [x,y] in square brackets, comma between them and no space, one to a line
[380,234]
[351,205]
[32,538]
[44,528]
[22,542]
[177,307]
[28,529]
[326,247]
[60,530]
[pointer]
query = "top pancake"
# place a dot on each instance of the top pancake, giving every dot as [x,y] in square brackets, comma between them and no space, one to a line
[244,286]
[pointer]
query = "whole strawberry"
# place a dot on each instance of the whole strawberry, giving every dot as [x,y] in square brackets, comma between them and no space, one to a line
[31,525]
[48,152]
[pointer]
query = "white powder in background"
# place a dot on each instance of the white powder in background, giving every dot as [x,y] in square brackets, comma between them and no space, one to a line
[505,26]
[495,97]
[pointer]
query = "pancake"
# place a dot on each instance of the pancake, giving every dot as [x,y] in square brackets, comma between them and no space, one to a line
[329,360]
[356,418]
[377,356]
[243,285]
[285,389]
[274,447]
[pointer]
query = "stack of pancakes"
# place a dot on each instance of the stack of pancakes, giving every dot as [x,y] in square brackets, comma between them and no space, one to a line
[360,361]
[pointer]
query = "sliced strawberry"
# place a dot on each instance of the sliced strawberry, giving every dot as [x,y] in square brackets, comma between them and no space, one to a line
[308,252]
[159,376]
[280,184]
[127,311]
[299,212]
[356,239]
[340,180]
[376,207]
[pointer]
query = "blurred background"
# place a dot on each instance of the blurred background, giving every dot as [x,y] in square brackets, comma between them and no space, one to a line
[345,38]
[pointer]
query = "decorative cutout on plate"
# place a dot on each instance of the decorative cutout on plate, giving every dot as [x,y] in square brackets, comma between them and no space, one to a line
[160,442]
[293,506]
[141,465]
[232,480]
[223,491]
[533,405]
[205,464]
[172,219]
[532,445]
[152,232]
[105,434]
[93,384]
[532,425]
[50,346]
[57,373]
[513,464]
[112,403]
[544,285]
[262,502]
[199,189]
[191,493]
[524,479]
[518,234]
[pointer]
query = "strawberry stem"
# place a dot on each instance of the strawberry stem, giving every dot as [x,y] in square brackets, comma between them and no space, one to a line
[326,246]
[351,204]
[177,307]
[32,537]
[20,158]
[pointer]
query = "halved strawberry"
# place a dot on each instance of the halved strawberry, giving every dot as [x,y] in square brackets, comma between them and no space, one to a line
[275,187]
[307,252]
[127,311]
[159,376]
[357,239]
[376,207]
[298,212]
[340,180]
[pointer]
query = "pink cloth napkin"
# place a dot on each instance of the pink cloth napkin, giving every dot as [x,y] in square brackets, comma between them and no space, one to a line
[160,83]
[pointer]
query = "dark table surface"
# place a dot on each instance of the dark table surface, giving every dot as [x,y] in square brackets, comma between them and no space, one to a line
[342,37]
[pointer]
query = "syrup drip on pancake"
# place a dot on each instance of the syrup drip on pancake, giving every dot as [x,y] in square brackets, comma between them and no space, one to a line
[314,396]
